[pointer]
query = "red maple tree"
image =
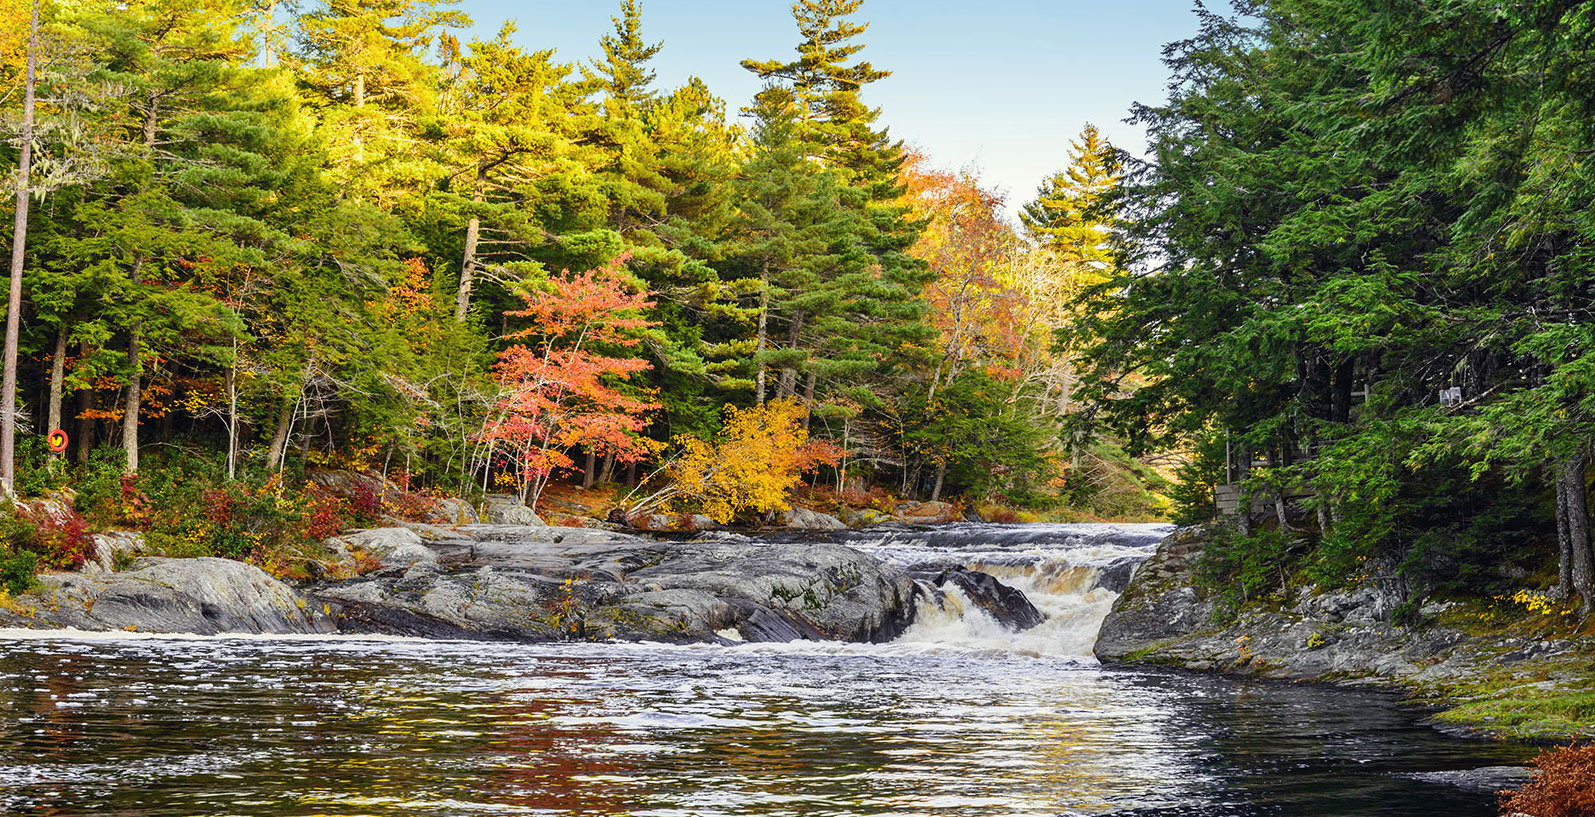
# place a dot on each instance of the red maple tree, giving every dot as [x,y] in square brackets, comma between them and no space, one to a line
[561,386]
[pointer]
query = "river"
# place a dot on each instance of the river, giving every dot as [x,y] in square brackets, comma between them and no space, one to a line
[956,717]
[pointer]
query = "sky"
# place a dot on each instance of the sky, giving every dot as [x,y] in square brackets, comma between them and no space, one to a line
[1001,86]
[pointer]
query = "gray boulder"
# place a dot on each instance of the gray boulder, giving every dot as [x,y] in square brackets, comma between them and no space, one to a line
[1160,603]
[507,509]
[456,511]
[203,596]
[806,519]
[110,545]
[542,584]
[393,547]
[1007,605]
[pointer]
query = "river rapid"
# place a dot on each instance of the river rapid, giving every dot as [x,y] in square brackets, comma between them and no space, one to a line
[957,717]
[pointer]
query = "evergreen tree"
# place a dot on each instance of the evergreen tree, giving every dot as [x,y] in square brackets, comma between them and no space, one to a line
[1067,215]
[867,314]
[363,62]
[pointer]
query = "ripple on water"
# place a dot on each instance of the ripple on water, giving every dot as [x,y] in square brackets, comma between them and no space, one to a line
[955,723]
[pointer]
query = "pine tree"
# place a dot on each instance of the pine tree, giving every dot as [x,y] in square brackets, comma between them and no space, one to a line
[363,62]
[786,223]
[511,133]
[1067,215]
[867,314]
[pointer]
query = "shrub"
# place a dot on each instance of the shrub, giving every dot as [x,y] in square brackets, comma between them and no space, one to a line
[17,571]
[1246,568]
[1565,786]
[63,540]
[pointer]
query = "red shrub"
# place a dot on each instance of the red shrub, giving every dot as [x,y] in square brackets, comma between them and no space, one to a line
[1565,786]
[326,518]
[365,504]
[1002,516]
[62,537]
[409,506]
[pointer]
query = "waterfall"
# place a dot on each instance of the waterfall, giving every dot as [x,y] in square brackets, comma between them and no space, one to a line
[1071,573]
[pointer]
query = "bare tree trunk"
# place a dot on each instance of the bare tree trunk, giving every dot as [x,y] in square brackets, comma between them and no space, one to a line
[19,242]
[232,416]
[473,235]
[135,393]
[57,378]
[941,477]
[787,387]
[1564,542]
[85,424]
[279,437]
[764,333]
[608,472]
[1574,500]
[589,468]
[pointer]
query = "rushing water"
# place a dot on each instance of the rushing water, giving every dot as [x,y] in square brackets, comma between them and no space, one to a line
[958,717]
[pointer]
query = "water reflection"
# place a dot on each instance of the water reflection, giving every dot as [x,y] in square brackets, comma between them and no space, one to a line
[167,727]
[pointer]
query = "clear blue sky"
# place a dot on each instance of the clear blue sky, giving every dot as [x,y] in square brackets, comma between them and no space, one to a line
[1001,85]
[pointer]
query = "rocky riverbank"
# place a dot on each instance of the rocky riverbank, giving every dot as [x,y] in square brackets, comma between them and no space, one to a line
[523,583]
[1517,679]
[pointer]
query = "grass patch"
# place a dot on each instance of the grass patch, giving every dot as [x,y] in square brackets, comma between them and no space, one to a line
[1535,714]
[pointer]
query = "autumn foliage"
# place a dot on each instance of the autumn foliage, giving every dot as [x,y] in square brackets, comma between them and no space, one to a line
[754,463]
[561,385]
[1564,787]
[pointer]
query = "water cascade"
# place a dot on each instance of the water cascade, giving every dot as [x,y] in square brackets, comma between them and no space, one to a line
[1071,573]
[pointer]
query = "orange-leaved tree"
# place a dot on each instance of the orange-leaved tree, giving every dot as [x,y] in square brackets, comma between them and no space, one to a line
[563,384]
[753,464]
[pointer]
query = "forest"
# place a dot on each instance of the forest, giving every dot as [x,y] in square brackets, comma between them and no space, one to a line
[251,244]
[1361,292]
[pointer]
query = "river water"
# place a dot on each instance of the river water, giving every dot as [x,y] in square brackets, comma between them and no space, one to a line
[957,717]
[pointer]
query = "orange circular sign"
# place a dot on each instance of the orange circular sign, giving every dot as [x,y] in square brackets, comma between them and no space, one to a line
[57,440]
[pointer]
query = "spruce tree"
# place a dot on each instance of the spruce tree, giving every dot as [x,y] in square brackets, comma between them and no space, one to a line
[866,313]
[1067,215]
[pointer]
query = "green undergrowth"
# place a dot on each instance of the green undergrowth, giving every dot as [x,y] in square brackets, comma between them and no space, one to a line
[1547,699]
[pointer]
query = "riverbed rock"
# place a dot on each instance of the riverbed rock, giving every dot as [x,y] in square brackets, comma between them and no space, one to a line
[868,517]
[204,596]
[928,513]
[1007,605]
[807,519]
[1346,636]
[543,583]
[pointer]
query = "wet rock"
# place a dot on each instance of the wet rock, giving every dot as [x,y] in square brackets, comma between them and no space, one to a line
[928,513]
[1007,605]
[539,584]
[1116,576]
[868,517]
[1486,780]
[1160,603]
[204,596]
[806,519]
[1345,635]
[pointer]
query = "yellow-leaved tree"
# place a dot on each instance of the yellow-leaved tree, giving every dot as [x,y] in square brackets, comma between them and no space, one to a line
[752,464]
